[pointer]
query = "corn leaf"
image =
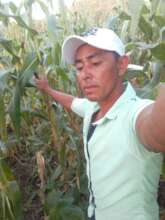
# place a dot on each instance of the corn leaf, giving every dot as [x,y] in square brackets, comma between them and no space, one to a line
[135,8]
[19,21]
[8,46]
[14,196]
[10,197]
[56,53]
[53,28]
[145,27]
[30,64]
[15,109]
[3,78]
[3,131]
[159,51]
[154,6]
[13,7]
[43,7]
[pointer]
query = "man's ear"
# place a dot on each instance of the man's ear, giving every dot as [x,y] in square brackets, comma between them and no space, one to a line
[123,64]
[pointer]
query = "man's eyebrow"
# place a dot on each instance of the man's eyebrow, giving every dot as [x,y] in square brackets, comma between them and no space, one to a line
[90,56]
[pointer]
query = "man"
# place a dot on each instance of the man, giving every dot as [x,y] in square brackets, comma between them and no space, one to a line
[123,134]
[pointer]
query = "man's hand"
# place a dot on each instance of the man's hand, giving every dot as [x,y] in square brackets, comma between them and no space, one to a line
[64,99]
[42,83]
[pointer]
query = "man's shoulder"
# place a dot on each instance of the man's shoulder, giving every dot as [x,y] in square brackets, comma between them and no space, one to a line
[139,103]
[84,101]
[82,105]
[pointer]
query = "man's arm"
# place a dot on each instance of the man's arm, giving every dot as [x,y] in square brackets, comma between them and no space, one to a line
[62,98]
[150,124]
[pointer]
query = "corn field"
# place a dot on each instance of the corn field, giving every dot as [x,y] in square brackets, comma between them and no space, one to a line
[42,167]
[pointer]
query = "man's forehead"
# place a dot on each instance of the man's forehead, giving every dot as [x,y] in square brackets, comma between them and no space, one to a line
[88,53]
[87,48]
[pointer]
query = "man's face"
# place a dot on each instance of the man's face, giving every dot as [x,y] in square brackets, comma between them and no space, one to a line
[97,73]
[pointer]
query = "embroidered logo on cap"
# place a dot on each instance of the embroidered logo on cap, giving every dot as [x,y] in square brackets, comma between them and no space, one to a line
[91,31]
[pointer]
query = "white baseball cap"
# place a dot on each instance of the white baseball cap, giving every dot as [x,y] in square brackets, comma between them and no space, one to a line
[101,38]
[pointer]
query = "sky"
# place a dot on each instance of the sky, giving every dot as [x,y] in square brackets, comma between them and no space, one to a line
[38,12]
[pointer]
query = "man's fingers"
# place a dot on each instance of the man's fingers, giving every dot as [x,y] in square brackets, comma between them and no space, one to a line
[36,75]
[41,82]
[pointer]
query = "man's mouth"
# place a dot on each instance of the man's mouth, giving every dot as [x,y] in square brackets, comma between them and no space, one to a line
[90,89]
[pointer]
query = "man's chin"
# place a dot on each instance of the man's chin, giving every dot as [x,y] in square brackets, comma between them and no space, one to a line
[91,98]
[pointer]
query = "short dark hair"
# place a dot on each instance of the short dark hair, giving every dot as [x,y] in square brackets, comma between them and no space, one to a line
[116,55]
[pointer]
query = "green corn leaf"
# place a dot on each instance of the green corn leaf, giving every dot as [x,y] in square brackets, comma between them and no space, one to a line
[124,30]
[10,197]
[62,6]
[64,210]
[43,7]
[3,78]
[29,114]
[163,170]
[15,109]
[3,130]
[52,200]
[157,68]
[145,27]
[56,53]
[3,85]
[57,172]
[112,21]
[145,9]
[13,7]
[19,21]
[2,206]
[5,172]
[161,8]
[8,46]
[14,196]
[72,213]
[130,46]
[135,8]
[162,34]
[124,16]
[154,6]
[61,72]
[52,27]
[28,73]
[159,51]
[9,209]
[159,20]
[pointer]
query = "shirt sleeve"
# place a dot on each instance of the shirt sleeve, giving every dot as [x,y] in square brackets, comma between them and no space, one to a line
[138,108]
[80,106]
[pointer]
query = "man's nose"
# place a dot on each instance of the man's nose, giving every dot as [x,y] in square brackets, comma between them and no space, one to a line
[87,71]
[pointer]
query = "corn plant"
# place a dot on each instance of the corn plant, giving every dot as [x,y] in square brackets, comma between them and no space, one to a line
[141,27]
[51,129]
[10,197]
[32,127]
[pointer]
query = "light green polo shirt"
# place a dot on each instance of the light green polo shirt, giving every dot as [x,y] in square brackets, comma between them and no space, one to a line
[123,173]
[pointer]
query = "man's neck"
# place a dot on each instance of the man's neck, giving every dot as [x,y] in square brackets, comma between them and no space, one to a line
[108,103]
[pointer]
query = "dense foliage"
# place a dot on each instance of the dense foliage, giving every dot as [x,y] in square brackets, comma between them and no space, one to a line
[41,142]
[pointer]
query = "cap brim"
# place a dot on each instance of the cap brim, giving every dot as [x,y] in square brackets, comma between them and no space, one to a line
[69,48]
